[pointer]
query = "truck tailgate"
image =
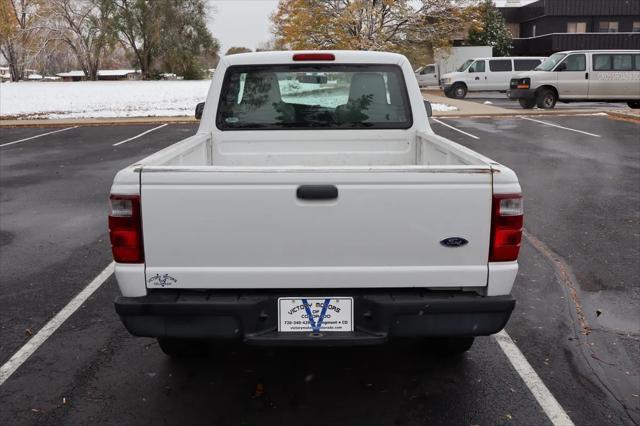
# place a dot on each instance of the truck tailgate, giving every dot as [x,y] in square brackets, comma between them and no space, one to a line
[249,229]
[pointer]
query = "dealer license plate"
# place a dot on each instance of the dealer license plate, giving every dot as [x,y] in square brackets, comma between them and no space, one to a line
[315,314]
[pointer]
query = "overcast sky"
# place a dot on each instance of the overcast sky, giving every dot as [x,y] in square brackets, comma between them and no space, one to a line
[241,22]
[246,22]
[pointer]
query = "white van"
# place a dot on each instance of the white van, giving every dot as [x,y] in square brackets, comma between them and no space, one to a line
[486,74]
[581,75]
[427,75]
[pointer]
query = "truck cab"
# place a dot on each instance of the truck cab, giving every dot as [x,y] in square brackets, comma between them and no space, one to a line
[428,75]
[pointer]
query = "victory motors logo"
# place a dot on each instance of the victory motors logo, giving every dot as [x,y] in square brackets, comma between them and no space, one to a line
[161,280]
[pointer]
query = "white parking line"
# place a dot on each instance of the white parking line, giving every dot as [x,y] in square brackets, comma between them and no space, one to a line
[560,127]
[457,130]
[141,134]
[37,136]
[541,393]
[545,399]
[45,332]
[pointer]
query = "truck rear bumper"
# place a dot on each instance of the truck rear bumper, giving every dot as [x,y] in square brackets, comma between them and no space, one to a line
[253,317]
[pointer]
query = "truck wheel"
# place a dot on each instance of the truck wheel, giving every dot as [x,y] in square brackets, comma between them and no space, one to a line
[448,93]
[527,103]
[181,348]
[546,99]
[634,104]
[459,90]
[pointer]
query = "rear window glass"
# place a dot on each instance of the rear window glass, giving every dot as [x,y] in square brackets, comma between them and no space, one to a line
[525,64]
[304,96]
[500,65]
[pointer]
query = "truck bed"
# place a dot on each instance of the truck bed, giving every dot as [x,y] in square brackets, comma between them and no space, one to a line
[244,150]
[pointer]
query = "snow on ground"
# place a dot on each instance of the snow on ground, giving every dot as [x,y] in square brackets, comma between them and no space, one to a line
[443,107]
[91,99]
[96,99]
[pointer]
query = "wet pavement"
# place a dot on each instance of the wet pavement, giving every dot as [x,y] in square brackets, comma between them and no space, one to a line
[576,320]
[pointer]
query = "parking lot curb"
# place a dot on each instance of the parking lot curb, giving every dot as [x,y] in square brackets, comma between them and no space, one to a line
[626,116]
[96,121]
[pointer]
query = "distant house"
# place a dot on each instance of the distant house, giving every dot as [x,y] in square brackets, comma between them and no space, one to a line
[34,77]
[5,74]
[77,75]
[547,26]
[119,75]
[168,76]
[210,71]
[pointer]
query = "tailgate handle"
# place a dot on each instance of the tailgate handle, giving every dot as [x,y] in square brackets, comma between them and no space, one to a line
[317,192]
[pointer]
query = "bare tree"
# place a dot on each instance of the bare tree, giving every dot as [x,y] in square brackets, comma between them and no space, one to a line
[85,27]
[20,40]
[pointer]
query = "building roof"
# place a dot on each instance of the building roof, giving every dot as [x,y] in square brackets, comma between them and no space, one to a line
[101,73]
[116,73]
[75,73]
[539,8]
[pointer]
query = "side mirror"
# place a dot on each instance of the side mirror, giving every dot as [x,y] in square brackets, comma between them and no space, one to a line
[427,106]
[562,67]
[199,110]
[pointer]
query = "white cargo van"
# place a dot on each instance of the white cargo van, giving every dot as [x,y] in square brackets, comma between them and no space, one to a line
[584,75]
[486,74]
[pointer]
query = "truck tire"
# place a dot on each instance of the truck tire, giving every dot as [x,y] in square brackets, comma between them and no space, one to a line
[181,348]
[448,93]
[546,99]
[459,90]
[527,103]
[634,104]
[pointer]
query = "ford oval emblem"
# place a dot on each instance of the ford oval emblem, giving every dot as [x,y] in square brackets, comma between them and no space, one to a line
[454,242]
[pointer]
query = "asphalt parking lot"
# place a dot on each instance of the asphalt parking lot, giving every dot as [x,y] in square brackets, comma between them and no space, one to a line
[576,320]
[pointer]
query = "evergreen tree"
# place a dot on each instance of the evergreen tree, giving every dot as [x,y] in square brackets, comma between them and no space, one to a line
[490,30]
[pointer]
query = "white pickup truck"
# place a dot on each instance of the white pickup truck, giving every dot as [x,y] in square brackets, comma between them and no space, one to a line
[315,205]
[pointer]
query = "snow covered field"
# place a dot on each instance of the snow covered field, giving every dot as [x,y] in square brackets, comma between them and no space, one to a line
[96,99]
[92,99]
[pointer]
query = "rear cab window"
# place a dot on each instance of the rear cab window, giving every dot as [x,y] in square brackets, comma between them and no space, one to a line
[500,65]
[310,96]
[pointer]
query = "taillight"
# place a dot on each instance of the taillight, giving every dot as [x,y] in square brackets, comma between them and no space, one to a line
[314,57]
[125,229]
[506,227]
